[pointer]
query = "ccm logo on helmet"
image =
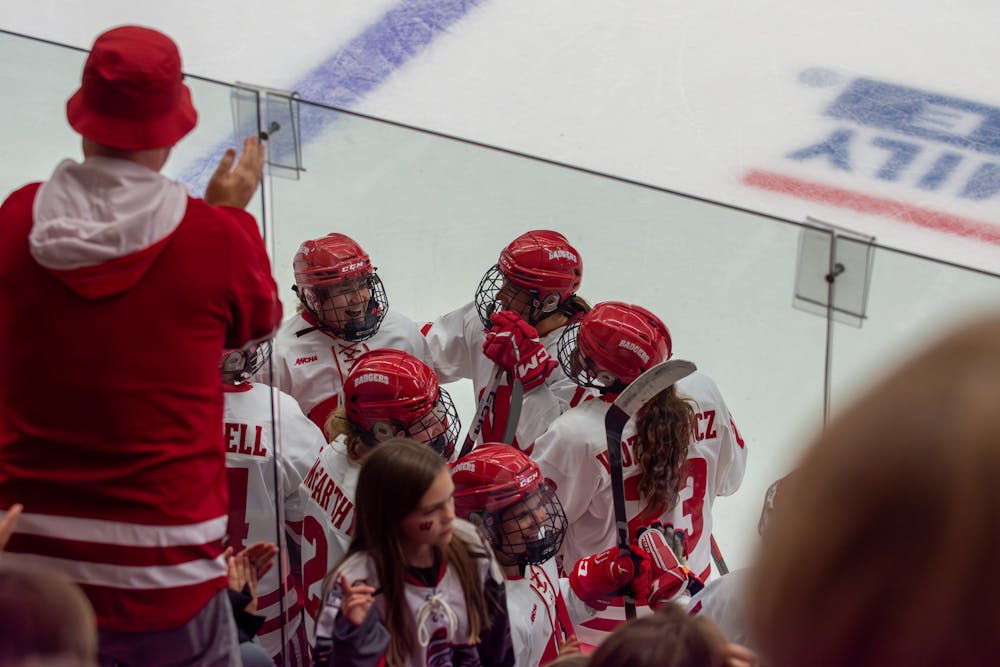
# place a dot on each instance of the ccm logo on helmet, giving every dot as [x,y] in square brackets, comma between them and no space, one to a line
[525,481]
[639,352]
[365,378]
[562,254]
[351,267]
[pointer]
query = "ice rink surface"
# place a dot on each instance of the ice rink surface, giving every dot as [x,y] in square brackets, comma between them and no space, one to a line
[880,117]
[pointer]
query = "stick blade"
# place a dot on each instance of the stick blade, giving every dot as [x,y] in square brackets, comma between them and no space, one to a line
[651,383]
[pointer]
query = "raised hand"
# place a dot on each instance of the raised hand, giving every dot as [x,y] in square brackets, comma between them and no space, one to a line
[513,345]
[236,186]
[355,600]
[261,556]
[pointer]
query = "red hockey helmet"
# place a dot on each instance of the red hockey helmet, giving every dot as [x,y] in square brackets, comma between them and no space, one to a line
[503,490]
[390,393]
[612,345]
[337,284]
[543,264]
[329,260]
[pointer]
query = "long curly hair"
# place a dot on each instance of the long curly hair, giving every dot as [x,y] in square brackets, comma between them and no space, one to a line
[663,433]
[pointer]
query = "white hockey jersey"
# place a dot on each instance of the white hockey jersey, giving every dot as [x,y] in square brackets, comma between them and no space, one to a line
[439,613]
[312,367]
[250,469]
[573,455]
[543,610]
[327,500]
[455,341]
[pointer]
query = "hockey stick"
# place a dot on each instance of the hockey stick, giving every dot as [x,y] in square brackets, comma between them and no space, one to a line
[514,414]
[720,562]
[516,399]
[483,409]
[639,392]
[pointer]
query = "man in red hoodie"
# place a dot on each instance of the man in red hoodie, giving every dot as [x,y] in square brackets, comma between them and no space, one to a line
[118,293]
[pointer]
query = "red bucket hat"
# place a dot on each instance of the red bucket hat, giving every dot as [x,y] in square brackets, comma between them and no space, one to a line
[132,95]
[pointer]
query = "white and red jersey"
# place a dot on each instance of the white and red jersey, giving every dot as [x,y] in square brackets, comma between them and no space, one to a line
[456,341]
[312,366]
[250,469]
[573,455]
[543,611]
[327,499]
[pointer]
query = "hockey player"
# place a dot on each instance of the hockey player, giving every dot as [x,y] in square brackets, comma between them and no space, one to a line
[389,393]
[502,491]
[344,314]
[250,470]
[419,587]
[520,308]
[679,453]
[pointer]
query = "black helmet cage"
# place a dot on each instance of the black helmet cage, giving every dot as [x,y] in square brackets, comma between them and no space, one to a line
[240,365]
[535,543]
[442,417]
[355,330]
[579,368]
[487,302]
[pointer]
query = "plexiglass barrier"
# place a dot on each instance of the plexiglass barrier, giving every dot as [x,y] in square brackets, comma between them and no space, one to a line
[434,213]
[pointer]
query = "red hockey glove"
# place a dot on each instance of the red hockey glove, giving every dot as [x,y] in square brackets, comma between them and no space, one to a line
[595,579]
[513,345]
[663,575]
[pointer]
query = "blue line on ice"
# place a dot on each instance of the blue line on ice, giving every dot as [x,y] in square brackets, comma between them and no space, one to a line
[355,70]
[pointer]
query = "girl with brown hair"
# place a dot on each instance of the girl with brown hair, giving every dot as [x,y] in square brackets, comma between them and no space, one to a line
[389,393]
[418,586]
[679,453]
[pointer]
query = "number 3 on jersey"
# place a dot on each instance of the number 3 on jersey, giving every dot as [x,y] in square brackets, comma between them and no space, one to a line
[692,499]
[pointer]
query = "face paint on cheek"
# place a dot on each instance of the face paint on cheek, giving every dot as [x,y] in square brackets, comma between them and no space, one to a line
[426,525]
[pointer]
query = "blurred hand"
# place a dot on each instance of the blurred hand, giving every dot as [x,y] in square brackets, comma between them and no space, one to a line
[735,655]
[261,557]
[242,575]
[570,646]
[236,186]
[8,523]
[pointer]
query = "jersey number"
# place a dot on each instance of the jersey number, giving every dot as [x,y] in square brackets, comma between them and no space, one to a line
[314,569]
[696,474]
[237,529]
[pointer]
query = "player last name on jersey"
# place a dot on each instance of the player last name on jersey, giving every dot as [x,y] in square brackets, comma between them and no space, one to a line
[328,495]
[704,429]
[237,443]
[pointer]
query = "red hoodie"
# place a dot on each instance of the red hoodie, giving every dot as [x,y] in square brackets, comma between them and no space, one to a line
[110,400]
